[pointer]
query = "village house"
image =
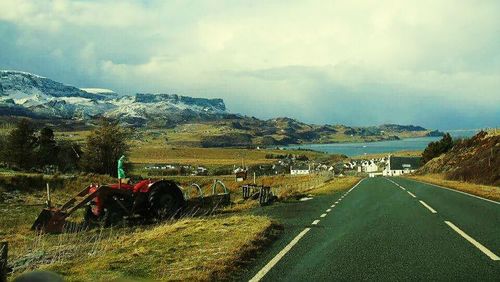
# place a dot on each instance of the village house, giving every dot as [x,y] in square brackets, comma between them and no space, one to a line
[371,167]
[300,170]
[401,165]
[201,171]
[240,174]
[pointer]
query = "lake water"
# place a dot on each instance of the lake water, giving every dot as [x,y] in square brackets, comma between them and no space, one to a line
[358,149]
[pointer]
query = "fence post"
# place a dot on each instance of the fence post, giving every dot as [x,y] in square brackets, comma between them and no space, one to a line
[4,249]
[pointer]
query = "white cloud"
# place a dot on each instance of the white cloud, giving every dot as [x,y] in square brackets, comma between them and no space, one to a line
[288,52]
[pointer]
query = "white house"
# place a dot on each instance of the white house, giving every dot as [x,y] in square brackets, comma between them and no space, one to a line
[371,167]
[300,170]
[401,165]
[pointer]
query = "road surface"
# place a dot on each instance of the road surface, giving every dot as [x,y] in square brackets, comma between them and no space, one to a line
[384,229]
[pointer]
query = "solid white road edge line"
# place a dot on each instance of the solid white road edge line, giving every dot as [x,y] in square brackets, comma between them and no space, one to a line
[323,215]
[453,190]
[471,240]
[428,207]
[279,256]
[315,222]
[411,194]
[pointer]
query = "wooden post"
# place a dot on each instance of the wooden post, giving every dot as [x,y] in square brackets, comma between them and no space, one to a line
[49,204]
[4,249]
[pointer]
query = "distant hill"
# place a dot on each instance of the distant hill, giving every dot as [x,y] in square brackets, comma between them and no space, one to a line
[474,160]
[247,131]
[46,101]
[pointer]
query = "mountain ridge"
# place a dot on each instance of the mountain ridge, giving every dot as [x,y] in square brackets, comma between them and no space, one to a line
[28,95]
[35,96]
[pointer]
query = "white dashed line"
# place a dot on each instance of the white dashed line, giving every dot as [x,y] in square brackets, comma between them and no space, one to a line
[328,210]
[411,194]
[332,206]
[279,256]
[290,245]
[471,240]
[428,207]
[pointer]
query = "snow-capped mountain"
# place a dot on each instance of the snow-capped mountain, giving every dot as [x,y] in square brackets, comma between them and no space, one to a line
[26,94]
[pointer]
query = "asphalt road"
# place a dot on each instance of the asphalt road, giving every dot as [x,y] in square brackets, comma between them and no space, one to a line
[384,229]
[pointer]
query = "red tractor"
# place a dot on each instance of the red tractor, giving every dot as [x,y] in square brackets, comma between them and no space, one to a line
[147,199]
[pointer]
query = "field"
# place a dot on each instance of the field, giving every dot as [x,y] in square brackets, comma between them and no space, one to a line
[151,154]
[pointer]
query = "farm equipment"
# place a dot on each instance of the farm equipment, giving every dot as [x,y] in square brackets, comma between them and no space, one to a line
[262,193]
[147,199]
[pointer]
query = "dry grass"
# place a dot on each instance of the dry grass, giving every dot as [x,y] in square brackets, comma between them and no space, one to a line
[493,132]
[336,184]
[489,192]
[289,187]
[188,249]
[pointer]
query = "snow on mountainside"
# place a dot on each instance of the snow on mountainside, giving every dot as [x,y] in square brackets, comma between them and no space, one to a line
[31,95]
[98,90]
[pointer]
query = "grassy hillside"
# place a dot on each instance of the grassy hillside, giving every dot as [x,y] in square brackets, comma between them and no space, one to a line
[475,160]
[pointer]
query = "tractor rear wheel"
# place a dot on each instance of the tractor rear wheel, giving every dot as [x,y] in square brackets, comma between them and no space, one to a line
[165,200]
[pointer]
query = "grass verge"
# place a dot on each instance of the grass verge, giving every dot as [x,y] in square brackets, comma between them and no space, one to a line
[189,249]
[318,188]
[336,184]
[489,192]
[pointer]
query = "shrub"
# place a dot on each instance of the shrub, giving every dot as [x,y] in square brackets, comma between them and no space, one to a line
[435,149]
[104,146]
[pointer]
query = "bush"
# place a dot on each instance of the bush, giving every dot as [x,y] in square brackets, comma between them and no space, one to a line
[20,145]
[104,146]
[435,149]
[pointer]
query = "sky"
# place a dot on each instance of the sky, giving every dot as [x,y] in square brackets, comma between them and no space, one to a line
[429,63]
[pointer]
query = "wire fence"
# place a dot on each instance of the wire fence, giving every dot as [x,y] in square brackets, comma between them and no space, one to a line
[295,185]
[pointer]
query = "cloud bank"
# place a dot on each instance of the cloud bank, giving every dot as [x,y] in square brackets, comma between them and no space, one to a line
[433,63]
